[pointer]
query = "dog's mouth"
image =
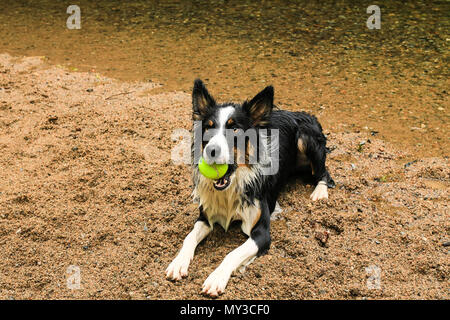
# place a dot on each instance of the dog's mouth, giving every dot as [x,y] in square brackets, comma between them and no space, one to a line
[224,182]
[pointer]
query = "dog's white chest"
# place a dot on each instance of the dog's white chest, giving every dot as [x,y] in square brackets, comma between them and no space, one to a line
[225,206]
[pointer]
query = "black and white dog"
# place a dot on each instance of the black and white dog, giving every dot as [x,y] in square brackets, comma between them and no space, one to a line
[247,192]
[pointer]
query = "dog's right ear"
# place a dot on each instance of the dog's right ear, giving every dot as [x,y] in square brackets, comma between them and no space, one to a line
[201,100]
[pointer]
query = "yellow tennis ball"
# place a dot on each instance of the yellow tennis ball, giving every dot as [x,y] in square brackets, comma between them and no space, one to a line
[214,171]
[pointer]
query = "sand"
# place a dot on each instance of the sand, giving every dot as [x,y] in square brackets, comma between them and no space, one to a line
[87,180]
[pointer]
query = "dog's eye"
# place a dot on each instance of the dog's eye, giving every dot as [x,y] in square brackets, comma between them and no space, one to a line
[209,125]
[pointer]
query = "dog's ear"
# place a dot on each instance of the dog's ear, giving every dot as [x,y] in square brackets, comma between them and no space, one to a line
[260,107]
[201,100]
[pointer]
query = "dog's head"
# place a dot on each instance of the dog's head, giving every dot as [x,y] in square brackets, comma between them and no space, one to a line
[223,124]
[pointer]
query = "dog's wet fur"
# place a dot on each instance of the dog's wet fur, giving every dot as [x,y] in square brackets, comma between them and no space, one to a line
[245,193]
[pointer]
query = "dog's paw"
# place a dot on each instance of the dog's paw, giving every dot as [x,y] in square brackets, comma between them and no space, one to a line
[215,284]
[320,192]
[178,268]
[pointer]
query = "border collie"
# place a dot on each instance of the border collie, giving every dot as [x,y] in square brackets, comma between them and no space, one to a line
[247,192]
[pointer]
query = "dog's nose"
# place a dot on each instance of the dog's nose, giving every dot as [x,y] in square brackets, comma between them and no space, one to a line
[213,152]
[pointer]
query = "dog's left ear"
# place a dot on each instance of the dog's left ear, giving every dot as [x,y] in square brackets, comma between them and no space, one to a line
[260,107]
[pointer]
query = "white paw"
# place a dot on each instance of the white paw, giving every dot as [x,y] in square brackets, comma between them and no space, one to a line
[320,192]
[215,284]
[178,268]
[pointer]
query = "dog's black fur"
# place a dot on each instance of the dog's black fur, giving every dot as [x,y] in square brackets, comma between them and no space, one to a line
[246,192]
[258,113]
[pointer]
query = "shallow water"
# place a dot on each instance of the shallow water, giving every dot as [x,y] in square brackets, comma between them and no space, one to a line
[321,58]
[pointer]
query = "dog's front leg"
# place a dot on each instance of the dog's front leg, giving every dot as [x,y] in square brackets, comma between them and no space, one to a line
[178,268]
[217,281]
[257,244]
